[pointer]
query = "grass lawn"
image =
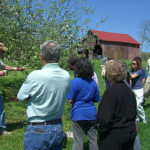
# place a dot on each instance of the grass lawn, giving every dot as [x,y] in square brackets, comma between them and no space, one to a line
[16,120]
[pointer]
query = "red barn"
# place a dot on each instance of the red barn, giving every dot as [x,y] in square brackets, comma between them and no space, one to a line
[114,45]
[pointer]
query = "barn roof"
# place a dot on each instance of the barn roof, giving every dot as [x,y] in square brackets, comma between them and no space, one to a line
[114,37]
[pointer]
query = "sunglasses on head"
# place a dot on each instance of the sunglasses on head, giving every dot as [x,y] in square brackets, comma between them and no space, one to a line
[134,63]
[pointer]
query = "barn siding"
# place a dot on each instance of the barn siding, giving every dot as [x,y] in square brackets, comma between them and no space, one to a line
[114,50]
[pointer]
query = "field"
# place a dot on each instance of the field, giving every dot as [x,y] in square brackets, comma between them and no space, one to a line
[16,120]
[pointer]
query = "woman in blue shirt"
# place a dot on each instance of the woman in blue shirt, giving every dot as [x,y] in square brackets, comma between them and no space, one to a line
[136,75]
[83,93]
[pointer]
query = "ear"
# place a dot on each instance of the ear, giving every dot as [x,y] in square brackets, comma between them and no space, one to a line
[59,58]
[1,53]
[42,60]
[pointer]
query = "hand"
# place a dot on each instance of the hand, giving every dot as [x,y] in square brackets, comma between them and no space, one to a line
[70,101]
[5,72]
[21,68]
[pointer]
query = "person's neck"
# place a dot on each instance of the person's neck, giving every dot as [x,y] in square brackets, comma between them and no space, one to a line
[45,63]
[135,69]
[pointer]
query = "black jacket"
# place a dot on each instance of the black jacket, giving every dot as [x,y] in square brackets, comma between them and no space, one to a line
[117,110]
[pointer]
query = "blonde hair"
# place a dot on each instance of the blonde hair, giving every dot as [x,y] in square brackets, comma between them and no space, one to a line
[116,71]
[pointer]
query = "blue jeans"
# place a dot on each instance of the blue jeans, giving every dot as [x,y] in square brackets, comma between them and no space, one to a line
[2,115]
[136,145]
[44,137]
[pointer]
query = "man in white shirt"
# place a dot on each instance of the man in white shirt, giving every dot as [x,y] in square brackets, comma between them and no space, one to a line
[46,92]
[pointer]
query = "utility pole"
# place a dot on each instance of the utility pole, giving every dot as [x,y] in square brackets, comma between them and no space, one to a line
[142,41]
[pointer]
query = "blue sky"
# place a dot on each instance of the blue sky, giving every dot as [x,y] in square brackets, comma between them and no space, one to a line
[123,16]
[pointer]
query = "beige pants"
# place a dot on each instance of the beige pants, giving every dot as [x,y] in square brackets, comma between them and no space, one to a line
[139,99]
[146,90]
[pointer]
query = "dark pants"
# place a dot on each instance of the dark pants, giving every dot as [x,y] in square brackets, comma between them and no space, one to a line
[115,141]
[2,115]
[79,129]
[137,145]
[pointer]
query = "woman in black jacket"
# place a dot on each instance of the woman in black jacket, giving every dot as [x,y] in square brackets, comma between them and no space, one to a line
[117,111]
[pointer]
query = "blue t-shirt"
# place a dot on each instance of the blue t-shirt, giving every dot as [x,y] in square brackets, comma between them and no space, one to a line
[83,93]
[144,72]
[137,82]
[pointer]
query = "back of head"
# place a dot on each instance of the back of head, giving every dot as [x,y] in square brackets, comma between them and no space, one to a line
[72,60]
[50,51]
[116,71]
[138,58]
[84,68]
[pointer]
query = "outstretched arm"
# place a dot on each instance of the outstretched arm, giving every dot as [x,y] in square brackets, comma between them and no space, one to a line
[14,68]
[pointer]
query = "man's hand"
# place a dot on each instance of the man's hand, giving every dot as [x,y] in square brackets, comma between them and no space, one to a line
[70,101]
[21,68]
[14,68]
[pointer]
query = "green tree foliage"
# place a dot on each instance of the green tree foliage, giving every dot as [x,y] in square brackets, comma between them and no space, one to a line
[25,24]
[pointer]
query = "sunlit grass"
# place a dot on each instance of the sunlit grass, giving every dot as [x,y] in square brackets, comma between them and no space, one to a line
[16,120]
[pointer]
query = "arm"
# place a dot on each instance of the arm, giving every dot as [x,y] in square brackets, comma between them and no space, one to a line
[106,110]
[143,81]
[144,76]
[25,90]
[148,63]
[2,73]
[71,94]
[130,82]
[103,71]
[147,67]
[97,94]
[133,75]
[95,78]
[14,68]
[138,73]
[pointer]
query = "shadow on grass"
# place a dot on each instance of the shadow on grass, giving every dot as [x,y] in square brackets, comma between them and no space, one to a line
[15,125]
[146,106]
[68,143]
[65,143]
[86,145]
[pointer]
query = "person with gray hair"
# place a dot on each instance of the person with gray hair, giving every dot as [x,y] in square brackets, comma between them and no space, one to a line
[45,91]
[50,51]
[116,115]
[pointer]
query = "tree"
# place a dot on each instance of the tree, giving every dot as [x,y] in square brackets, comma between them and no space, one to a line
[145,34]
[25,24]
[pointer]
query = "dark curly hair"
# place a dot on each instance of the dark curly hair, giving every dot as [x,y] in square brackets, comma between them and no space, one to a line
[84,68]
[72,60]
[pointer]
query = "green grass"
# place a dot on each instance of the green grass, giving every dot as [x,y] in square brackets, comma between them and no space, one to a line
[16,120]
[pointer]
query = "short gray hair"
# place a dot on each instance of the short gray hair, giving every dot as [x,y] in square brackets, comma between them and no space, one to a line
[116,71]
[50,51]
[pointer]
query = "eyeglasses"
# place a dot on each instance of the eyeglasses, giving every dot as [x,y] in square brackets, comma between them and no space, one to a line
[134,63]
